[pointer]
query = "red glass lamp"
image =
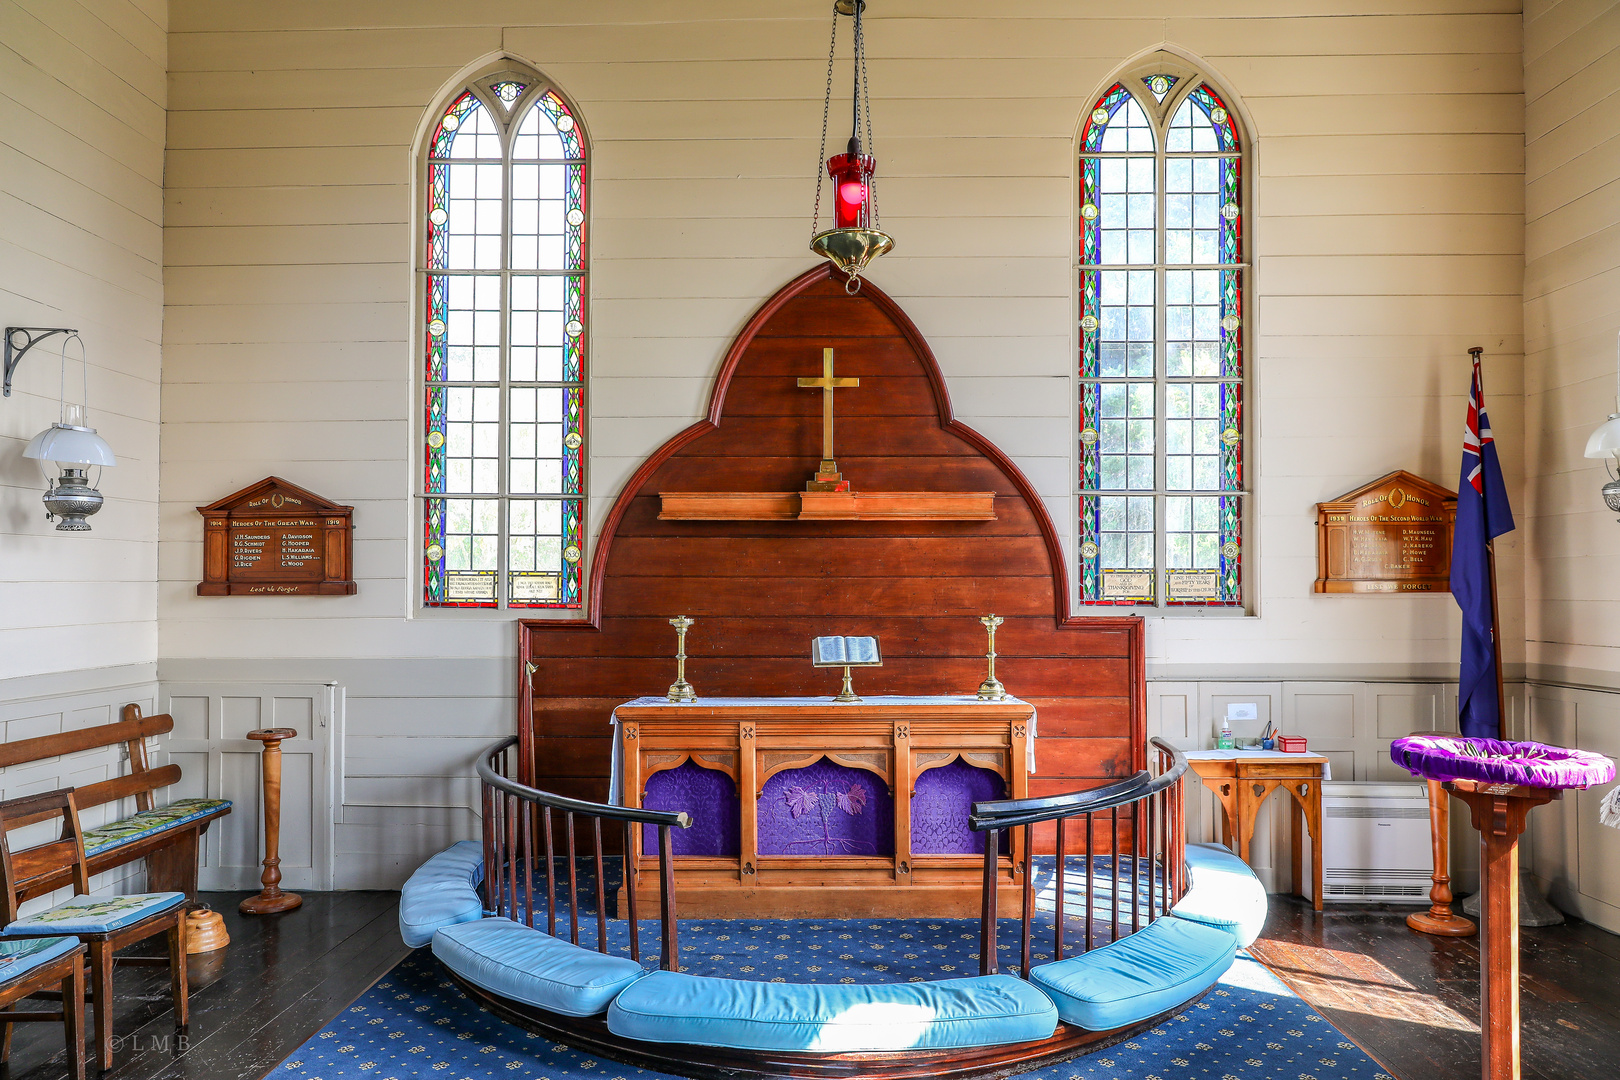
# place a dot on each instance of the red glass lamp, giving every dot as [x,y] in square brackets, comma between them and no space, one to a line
[856,238]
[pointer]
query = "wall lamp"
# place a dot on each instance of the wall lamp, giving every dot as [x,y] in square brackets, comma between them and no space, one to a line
[69,442]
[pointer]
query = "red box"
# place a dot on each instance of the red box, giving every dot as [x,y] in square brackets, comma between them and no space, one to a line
[1291,744]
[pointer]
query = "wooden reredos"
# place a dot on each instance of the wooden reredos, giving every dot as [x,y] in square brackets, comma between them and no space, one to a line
[760,590]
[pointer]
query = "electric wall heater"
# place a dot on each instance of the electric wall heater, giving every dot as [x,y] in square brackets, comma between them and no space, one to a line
[1375,843]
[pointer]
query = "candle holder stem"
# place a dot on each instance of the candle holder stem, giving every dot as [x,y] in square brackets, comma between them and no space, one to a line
[991,689]
[680,690]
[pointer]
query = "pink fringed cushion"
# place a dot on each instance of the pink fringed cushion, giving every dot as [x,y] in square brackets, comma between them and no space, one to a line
[1493,761]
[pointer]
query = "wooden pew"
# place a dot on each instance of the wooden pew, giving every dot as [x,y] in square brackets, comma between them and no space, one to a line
[170,848]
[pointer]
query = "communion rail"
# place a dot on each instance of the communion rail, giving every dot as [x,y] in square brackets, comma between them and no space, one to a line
[515,813]
[1153,809]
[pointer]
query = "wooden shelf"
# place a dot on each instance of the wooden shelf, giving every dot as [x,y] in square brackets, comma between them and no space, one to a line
[827,506]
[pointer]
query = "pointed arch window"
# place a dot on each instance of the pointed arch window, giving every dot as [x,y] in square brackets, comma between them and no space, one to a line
[503,273]
[1161,369]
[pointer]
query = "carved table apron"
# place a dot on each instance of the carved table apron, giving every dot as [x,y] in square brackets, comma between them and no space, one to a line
[875,752]
[1243,779]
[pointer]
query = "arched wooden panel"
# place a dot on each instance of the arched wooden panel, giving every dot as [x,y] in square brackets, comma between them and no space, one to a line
[761,590]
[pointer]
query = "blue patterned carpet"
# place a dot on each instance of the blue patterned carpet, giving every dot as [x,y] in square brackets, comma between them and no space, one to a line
[415,1023]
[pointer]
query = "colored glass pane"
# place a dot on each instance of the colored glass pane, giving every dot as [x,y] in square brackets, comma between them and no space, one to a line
[1160,446]
[505,334]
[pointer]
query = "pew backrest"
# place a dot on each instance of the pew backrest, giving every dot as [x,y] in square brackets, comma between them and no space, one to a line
[133,730]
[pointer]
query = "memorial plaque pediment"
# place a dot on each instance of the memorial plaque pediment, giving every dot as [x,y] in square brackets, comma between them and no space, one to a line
[1391,536]
[277,539]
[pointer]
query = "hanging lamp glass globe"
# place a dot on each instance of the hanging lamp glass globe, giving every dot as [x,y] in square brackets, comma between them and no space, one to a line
[856,238]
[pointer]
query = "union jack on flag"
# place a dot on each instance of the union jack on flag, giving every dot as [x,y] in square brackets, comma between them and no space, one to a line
[1482,515]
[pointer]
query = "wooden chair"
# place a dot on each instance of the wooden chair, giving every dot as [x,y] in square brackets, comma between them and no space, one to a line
[105,925]
[30,966]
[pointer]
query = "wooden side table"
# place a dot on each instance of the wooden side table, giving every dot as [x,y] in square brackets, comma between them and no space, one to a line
[1243,780]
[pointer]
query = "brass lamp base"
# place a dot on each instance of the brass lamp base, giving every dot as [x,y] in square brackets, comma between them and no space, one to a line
[682,691]
[852,250]
[992,690]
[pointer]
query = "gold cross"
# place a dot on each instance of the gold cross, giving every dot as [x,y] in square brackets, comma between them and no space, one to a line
[827,384]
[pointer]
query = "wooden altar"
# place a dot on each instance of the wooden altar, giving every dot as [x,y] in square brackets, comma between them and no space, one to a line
[897,740]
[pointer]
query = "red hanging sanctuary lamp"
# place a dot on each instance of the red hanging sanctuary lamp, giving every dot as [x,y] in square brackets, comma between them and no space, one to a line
[856,238]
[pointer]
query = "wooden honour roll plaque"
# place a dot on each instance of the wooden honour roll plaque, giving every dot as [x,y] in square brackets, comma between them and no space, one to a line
[276,539]
[1392,536]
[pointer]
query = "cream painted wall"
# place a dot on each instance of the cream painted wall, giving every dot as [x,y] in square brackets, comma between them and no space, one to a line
[1572,316]
[82,97]
[1387,218]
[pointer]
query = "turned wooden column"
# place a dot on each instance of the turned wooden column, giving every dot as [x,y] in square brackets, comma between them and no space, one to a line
[1440,919]
[271,899]
[1499,812]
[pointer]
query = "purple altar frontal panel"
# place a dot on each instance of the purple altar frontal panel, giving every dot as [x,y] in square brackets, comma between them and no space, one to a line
[939,810]
[826,809]
[709,798]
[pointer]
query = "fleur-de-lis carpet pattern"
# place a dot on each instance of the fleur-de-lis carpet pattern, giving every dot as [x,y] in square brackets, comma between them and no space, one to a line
[416,1023]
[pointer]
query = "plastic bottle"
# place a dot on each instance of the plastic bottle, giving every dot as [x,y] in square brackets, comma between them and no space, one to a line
[1225,742]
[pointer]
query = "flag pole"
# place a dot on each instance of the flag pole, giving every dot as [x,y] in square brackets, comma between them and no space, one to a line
[1496,607]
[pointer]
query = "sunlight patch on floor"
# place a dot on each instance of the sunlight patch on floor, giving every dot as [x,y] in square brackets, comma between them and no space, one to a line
[1351,982]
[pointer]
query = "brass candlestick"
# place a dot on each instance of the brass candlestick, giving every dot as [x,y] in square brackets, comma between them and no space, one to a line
[991,689]
[680,689]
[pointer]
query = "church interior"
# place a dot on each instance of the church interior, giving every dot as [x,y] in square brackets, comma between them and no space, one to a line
[531,549]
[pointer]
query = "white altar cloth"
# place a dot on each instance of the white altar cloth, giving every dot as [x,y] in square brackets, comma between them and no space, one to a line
[616,781]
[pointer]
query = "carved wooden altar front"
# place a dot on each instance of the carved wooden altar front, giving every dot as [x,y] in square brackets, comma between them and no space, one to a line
[896,741]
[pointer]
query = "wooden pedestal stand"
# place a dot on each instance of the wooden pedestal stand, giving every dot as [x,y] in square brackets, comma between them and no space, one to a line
[271,899]
[1439,919]
[1499,812]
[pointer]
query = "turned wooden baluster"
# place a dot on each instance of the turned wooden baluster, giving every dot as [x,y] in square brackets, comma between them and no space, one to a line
[271,899]
[1440,919]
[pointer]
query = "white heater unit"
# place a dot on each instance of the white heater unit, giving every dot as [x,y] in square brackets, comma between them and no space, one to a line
[1375,843]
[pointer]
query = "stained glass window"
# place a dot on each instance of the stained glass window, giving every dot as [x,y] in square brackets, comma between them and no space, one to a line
[1161,478]
[504,286]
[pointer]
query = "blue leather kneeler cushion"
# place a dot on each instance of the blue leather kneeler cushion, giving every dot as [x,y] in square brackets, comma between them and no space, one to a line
[96,915]
[442,892]
[671,1007]
[521,963]
[1223,892]
[19,956]
[1164,964]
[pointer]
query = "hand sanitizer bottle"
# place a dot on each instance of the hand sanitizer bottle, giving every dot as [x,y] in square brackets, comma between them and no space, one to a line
[1225,742]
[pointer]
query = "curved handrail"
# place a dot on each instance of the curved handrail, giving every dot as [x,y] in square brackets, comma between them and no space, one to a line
[677,818]
[1007,813]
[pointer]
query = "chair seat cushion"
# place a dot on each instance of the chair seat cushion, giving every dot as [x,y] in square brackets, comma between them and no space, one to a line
[1223,892]
[19,956]
[671,1007]
[96,914]
[442,892]
[145,823]
[521,963]
[1165,964]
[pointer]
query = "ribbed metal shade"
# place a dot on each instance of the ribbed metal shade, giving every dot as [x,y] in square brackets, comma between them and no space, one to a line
[69,444]
[851,250]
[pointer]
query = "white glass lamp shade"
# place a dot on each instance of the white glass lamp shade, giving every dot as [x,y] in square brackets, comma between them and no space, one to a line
[69,444]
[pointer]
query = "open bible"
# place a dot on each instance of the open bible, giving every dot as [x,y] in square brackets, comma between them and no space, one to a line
[845,652]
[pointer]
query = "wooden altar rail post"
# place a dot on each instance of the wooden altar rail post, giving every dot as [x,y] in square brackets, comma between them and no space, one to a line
[509,855]
[1158,840]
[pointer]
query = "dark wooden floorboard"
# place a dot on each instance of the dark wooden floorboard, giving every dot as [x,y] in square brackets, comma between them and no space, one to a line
[281,979]
[1408,999]
[1412,1001]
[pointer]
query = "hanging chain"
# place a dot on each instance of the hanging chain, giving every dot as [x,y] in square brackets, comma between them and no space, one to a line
[875,221]
[826,106]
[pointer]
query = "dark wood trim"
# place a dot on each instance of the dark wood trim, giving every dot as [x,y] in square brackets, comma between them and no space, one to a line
[591,1034]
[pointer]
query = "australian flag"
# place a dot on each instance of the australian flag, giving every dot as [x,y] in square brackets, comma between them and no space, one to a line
[1482,515]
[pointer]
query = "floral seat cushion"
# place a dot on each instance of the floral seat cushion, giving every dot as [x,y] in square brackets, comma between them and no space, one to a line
[146,822]
[22,955]
[96,914]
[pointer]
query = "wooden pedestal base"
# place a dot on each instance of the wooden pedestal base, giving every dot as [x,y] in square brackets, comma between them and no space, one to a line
[1440,919]
[271,899]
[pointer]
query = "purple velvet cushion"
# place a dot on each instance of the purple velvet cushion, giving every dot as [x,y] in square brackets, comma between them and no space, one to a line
[1493,761]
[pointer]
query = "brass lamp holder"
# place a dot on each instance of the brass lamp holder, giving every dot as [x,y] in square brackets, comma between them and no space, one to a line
[680,690]
[991,689]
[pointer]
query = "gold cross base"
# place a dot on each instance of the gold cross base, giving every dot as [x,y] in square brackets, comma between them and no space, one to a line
[828,478]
